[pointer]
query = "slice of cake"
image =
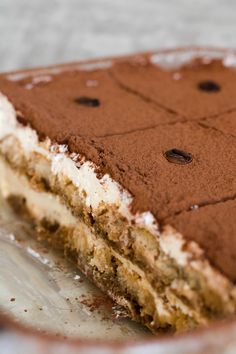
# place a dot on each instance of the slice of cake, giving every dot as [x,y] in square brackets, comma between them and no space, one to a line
[130,165]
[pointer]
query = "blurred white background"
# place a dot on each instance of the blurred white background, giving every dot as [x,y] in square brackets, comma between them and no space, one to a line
[39,32]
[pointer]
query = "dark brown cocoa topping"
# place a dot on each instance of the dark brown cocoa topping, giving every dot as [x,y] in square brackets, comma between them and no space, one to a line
[208,86]
[213,227]
[143,114]
[117,113]
[224,123]
[183,96]
[87,101]
[136,160]
[178,156]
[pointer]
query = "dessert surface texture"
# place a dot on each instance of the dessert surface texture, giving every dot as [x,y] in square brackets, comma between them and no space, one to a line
[129,165]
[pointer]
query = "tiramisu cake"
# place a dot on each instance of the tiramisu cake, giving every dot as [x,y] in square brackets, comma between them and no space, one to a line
[130,165]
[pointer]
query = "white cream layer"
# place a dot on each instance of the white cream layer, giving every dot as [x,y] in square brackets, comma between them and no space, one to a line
[41,204]
[46,205]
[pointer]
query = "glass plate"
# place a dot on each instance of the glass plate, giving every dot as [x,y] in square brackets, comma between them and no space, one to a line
[41,289]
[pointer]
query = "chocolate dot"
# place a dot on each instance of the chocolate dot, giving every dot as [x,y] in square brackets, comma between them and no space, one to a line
[178,156]
[87,101]
[209,86]
[21,119]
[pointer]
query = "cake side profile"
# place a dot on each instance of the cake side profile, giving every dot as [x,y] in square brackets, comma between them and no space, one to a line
[129,165]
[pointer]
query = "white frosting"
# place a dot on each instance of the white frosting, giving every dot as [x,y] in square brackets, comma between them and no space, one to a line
[172,244]
[39,74]
[176,59]
[82,175]
[41,204]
